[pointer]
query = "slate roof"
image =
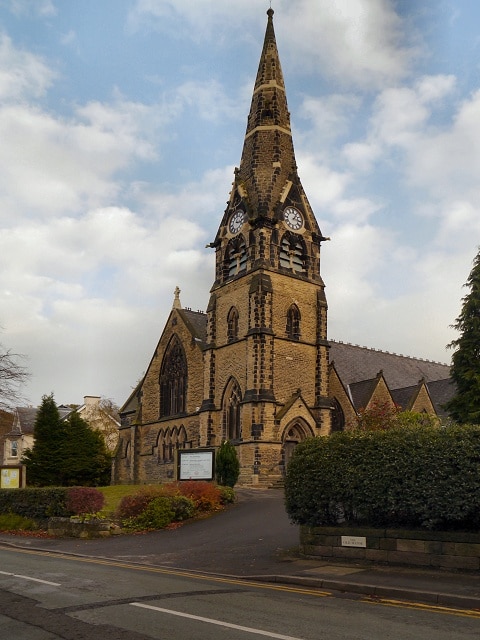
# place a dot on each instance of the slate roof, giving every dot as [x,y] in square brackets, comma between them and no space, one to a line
[403,397]
[197,322]
[361,392]
[356,364]
[27,416]
[441,391]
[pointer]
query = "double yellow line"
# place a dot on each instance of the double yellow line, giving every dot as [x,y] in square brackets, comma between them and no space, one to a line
[468,613]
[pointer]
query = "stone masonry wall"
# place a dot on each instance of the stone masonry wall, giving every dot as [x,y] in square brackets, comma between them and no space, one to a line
[447,550]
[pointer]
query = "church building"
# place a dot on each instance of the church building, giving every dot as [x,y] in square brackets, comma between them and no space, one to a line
[257,368]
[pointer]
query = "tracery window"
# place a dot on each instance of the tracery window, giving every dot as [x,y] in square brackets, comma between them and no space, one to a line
[235,257]
[232,399]
[292,253]
[293,322]
[232,325]
[168,441]
[173,380]
[338,417]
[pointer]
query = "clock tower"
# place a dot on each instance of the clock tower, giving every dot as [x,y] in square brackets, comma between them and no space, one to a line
[266,358]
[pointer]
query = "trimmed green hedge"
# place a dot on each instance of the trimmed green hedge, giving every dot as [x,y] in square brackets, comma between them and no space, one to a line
[411,477]
[36,503]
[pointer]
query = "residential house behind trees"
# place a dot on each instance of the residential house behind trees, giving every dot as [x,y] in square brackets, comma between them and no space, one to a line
[65,451]
[100,413]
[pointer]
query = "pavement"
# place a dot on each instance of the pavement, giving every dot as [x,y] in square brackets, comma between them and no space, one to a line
[253,539]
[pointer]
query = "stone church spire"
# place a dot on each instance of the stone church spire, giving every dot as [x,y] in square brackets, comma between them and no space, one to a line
[268,169]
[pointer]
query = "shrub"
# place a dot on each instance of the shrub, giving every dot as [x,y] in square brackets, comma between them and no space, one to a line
[157,515]
[35,503]
[132,505]
[14,522]
[83,500]
[177,500]
[420,477]
[205,495]
[183,508]
[227,495]
[227,466]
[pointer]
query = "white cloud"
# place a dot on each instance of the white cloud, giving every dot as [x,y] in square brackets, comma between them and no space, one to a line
[194,19]
[22,74]
[41,8]
[331,117]
[363,42]
[69,164]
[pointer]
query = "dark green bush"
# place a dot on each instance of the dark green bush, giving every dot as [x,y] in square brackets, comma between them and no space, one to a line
[36,503]
[227,495]
[183,508]
[227,465]
[157,515]
[422,477]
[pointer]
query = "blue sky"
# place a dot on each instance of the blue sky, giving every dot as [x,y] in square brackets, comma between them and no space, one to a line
[122,120]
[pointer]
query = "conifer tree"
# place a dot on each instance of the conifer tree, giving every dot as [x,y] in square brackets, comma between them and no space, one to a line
[464,407]
[227,465]
[85,460]
[44,461]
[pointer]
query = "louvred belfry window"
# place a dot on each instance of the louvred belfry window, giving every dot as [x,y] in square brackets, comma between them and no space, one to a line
[235,257]
[173,380]
[292,253]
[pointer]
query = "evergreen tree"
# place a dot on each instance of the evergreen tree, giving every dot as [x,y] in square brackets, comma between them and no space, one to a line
[44,461]
[85,459]
[465,405]
[227,466]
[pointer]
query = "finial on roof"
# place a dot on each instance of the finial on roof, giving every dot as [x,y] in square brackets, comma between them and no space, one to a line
[176,302]
[270,12]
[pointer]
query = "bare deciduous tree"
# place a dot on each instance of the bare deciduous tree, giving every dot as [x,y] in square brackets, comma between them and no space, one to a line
[12,376]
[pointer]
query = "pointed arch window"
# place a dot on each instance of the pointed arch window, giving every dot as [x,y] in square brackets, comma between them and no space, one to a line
[338,416]
[292,253]
[232,400]
[235,257]
[293,322]
[173,380]
[232,325]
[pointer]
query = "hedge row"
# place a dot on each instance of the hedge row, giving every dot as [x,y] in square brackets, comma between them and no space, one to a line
[412,477]
[43,503]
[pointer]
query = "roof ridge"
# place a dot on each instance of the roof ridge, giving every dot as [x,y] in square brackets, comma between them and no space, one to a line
[390,353]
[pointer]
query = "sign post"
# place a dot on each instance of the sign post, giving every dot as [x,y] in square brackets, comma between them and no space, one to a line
[12,477]
[196,464]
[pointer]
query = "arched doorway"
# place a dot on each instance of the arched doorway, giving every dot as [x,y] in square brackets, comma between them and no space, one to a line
[295,432]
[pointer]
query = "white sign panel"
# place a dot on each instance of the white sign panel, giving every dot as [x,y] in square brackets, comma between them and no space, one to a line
[196,465]
[354,541]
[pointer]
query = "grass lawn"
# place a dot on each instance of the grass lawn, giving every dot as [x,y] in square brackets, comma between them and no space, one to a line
[115,493]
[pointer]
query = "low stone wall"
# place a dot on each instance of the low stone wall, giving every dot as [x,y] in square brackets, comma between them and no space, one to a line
[75,528]
[448,550]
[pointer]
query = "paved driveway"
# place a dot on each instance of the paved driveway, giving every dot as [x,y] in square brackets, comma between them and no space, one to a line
[250,537]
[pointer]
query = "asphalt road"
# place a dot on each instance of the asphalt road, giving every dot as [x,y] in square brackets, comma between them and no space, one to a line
[49,597]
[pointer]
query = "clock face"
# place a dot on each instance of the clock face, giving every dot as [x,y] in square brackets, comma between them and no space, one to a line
[293,218]
[236,221]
